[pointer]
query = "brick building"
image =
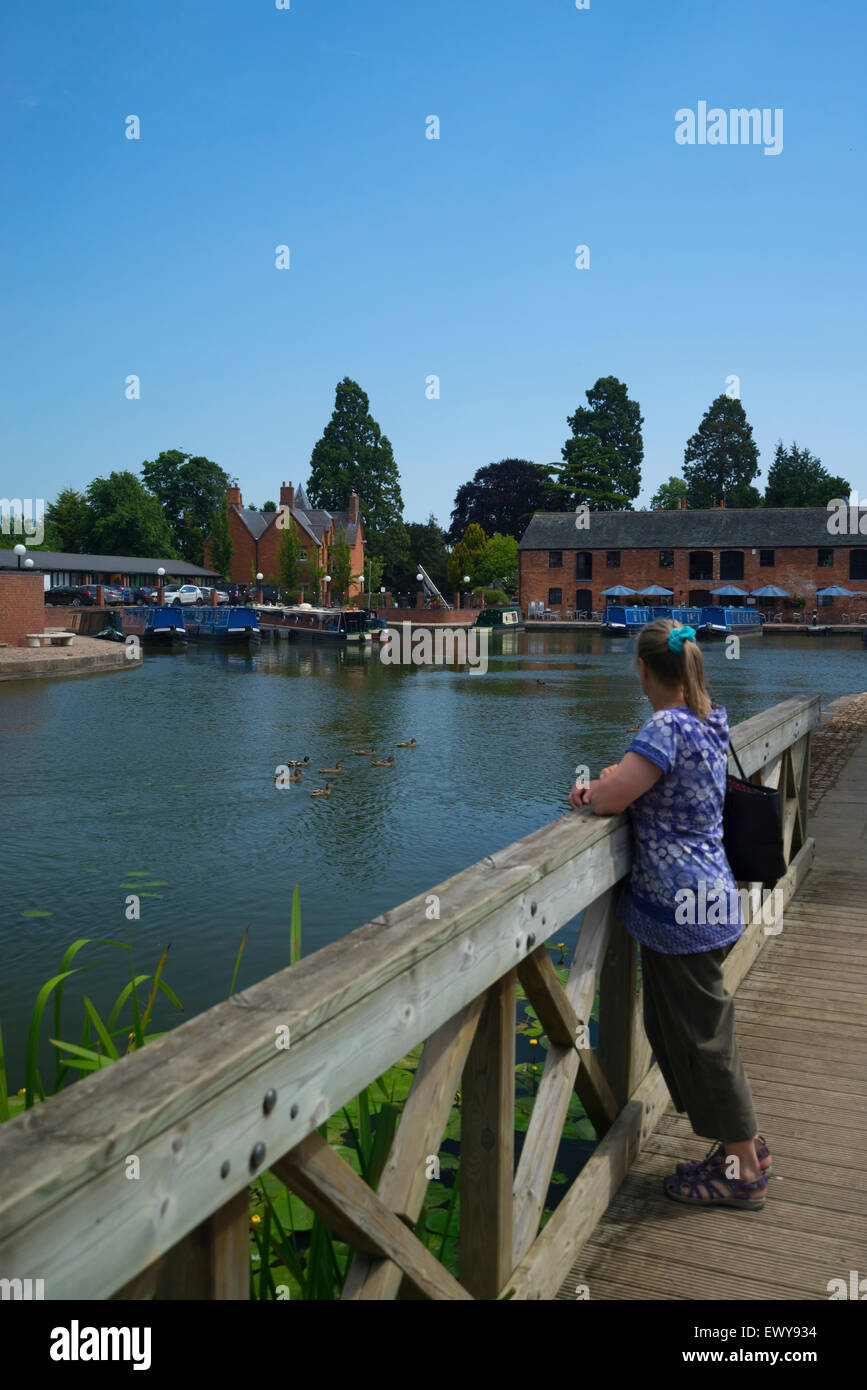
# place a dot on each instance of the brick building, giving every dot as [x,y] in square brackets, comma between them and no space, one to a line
[692,552]
[256,538]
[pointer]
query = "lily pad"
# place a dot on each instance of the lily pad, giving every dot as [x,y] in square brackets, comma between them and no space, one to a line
[37,912]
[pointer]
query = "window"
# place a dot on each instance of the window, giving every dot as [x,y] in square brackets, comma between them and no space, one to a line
[700,598]
[858,564]
[555,559]
[612,559]
[302,554]
[666,559]
[731,564]
[555,597]
[825,559]
[766,559]
[700,564]
[584,564]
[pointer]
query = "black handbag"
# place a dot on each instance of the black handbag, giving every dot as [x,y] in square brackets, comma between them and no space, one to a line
[753,829]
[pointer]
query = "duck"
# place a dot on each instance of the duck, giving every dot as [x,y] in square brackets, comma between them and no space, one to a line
[411,744]
[364,752]
[292,777]
[322,791]
[326,771]
[383,762]
[298,762]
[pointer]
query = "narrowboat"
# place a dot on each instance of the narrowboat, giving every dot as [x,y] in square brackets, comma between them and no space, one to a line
[375,627]
[155,627]
[225,624]
[720,622]
[508,618]
[328,624]
[164,627]
[618,619]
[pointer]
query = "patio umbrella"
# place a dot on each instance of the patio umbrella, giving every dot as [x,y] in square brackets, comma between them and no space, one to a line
[771,591]
[730,591]
[617,592]
[834,591]
[656,590]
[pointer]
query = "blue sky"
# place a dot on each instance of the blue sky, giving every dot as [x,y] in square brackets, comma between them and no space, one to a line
[409,256]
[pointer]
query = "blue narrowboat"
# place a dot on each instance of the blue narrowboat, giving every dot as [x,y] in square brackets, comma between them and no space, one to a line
[719,622]
[164,627]
[224,624]
[617,618]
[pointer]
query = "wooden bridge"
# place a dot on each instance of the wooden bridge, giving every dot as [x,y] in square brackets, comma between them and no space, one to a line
[215,1103]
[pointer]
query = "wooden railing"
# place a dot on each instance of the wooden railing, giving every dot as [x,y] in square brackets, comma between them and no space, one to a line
[221,1099]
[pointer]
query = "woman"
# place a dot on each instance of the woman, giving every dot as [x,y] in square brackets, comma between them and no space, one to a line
[682,907]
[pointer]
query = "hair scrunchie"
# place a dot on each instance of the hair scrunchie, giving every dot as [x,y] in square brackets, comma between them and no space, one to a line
[679,635]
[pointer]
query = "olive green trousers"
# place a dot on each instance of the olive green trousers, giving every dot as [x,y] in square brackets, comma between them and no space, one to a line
[689,1018]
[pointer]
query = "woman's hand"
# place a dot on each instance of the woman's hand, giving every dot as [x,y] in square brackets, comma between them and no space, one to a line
[580,794]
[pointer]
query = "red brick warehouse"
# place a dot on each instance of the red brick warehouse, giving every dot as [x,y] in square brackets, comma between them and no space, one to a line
[256,538]
[692,552]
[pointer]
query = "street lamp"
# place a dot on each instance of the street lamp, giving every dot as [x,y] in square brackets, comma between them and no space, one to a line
[160,576]
[466,581]
[28,563]
[259,578]
[326,579]
[19,550]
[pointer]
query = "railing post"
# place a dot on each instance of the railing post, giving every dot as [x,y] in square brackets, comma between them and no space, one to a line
[621,1051]
[213,1261]
[488,1146]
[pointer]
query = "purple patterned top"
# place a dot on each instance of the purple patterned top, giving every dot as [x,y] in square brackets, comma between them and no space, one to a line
[682,897]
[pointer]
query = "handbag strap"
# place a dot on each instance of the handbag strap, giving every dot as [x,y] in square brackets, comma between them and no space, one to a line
[737,760]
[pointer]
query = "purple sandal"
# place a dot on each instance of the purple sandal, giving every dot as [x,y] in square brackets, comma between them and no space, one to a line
[716,1158]
[739,1193]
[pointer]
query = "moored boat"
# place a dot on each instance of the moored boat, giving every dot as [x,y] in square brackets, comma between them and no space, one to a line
[720,622]
[328,624]
[225,624]
[164,627]
[509,616]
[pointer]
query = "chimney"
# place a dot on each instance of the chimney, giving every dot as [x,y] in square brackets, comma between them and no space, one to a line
[287,495]
[353,508]
[233,495]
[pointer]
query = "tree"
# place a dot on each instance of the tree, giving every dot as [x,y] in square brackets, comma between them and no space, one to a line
[498,563]
[426,546]
[221,546]
[315,575]
[123,518]
[189,489]
[602,461]
[341,564]
[721,459]
[502,497]
[466,556]
[290,563]
[270,507]
[797,478]
[66,521]
[354,455]
[669,495]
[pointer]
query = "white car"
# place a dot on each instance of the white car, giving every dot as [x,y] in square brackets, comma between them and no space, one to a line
[187,593]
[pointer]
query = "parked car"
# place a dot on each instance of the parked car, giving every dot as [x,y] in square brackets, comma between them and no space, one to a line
[71,596]
[142,595]
[113,593]
[235,593]
[186,594]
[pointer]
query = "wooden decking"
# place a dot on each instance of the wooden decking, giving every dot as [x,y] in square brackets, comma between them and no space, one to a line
[802,1030]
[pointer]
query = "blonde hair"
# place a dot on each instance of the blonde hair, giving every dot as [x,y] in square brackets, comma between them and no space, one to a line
[684,667]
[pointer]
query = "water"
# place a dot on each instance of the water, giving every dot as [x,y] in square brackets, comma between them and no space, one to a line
[167,772]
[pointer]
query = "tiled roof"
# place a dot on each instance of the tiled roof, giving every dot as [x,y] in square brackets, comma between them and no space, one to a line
[711,528]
